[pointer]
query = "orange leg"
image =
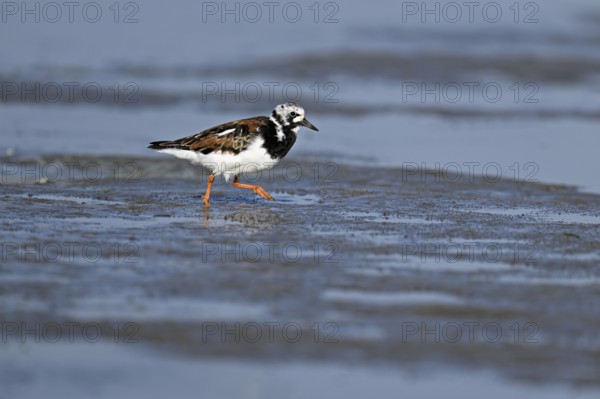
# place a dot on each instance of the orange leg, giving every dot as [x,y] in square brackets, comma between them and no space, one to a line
[206,197]
[257,189]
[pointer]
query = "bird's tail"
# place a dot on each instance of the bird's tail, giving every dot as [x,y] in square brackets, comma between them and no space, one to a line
[159,145]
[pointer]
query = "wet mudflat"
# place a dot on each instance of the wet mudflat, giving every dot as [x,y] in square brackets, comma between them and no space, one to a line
[115,282]
[350,265]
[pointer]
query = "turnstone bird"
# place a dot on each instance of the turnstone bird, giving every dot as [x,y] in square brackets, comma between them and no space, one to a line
[243,146]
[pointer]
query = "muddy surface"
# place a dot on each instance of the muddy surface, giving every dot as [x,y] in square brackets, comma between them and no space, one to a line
[350,264]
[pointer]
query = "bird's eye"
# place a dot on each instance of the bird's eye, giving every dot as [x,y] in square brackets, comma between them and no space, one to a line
[294,114]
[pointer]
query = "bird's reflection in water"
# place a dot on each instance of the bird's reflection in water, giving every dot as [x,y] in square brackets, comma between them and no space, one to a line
[250,213]
[205,216]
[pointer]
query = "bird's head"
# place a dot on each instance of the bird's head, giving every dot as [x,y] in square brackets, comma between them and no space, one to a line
[290,114]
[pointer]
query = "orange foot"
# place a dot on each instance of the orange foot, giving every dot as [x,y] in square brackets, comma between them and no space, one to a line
[256,189]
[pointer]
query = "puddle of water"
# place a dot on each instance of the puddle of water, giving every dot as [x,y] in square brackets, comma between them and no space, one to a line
[32,278]
[503,212]
[407,220]
[380,218]
[571,218]
[567,218]
[361,333]
[80,200]
[391,263]
[554,281]
[166,309]
[16,302]
[102,224]
[570,257]
[391,298]
[126,370]
[287,198]
[502,241]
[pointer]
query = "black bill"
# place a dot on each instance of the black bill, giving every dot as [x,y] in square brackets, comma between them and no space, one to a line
[309,125]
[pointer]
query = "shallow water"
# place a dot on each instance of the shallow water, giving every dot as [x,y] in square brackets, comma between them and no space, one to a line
[213,377]
[367,270]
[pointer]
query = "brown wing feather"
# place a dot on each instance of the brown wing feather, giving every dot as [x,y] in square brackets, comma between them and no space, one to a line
[207,141]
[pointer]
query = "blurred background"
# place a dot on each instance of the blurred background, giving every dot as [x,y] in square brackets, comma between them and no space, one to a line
[390,82]
[509,89]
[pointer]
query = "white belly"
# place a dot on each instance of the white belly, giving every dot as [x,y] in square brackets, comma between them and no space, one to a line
[253,159]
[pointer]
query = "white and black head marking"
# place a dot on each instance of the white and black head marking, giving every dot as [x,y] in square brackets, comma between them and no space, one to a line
[291,116]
